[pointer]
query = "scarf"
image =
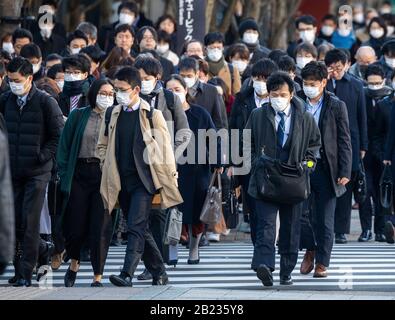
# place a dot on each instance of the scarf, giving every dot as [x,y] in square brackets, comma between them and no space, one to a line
[378,94]
[153,94]
[215,67]
[75,88]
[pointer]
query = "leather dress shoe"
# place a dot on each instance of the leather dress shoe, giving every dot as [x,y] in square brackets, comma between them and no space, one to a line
[172,263]
[193,261]
[307,264]
[379,237]
[22,283]
[340,238]
[96,284]
[123,280]
[161,280]
[146,275]
[13,280]
[389,232]
[320,271]
[265,275]
[69,278]
[286,280]
[365,236]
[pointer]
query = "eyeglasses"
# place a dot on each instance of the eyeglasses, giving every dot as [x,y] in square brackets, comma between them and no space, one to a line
[75,72]
[336,68]
[121,90]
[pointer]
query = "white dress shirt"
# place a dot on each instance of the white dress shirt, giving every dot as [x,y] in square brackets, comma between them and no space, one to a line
[259,101]
[134,107]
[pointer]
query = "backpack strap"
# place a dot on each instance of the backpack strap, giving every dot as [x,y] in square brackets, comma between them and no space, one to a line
[107,118]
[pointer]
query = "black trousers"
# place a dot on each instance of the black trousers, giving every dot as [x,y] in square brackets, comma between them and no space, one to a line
[136,205]
[371,206]
[249,205]
[85,219]
[29,195]
[157,224]
[318,216]
[57,233]
[343,207]
[265,226]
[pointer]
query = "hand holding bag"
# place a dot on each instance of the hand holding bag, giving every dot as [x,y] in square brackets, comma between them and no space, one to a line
[386,190]
[360,189]
[212,207]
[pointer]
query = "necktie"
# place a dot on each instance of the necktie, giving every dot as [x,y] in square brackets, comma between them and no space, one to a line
[74,102]
[20,103]
[281,130]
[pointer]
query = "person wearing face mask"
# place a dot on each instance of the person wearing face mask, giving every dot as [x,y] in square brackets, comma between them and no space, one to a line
[218,67]
[328,27]
[56,73]
[6,44]
[168,24]
[332,171]
[287,64]
[358,21]
[46,36]
[344,36]
[75,42]
[163,48]
[387,59]
[282,129]
[76,84]
[32,53]
[29,113]
[307,29]
[375,91]
[364,57]
[378,35]
[193,178]
[249,34]
[132,177]
[128,13]
[239,55]
[204,94]
[247,100]
[83,212]
[305,53]
[342,84]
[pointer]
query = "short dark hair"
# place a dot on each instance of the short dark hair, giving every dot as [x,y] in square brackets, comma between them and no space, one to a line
[164,36]
[77,61]
[151,66]
[2,69]
[89,29]
[22,33]
[213,37]
[94,89]
[264,67]
[166,17]
[306,19]
[131,6]
[53,56]
[306,47]
[20,65]
[381,23]
[374,69]
[124,28]
[335,55]
[130,75]
[77,34]
[314,70]
[239,48]
[52,3]
[287,64]
[276,55]
[347,53]
[188,63]
[388,48]
[178,78]
[329,16]
[277,80]
[140,33]
[93,52]
[56,68]
[31,50]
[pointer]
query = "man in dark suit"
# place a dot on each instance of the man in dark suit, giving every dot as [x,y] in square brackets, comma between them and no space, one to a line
[350,90]
[205,95]
[286,132]
[332,172]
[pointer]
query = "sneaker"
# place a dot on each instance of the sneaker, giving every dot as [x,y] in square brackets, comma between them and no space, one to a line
[226,232]
[213,237]
[365,236]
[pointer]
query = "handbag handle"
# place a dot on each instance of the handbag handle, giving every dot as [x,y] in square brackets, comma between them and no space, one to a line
[219,180]
[212,179]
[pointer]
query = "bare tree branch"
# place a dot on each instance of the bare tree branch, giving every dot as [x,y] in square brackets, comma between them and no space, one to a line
[228,16]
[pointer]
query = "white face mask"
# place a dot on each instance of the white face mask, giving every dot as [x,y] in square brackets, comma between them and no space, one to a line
[103,102]
[302,61]
[344,32]
[147,86]
[7,46]
[377,33]
[60,84]
[126,18]
[327,30]
[375,86]
[123,98]
[70,77]
[214,54]
[390,62]
[36,68]
[190,82]
[358,17]
[260,87]
[75,50]
[46,32]
[307,35]
[250,38]
[240,65]
[18,88]
[279,104]
[181,96]
[311,92]
[390,30]
[161,49]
